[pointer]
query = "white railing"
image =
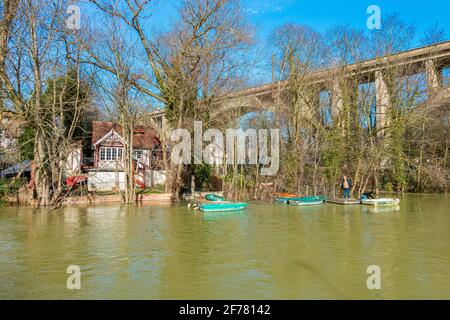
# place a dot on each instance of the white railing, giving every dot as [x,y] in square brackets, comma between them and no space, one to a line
[110,164]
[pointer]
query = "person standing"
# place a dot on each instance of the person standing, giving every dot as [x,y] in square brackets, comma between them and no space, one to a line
[346,186]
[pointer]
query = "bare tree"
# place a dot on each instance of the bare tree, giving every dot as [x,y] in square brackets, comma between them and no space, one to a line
[46,92]
[186,68]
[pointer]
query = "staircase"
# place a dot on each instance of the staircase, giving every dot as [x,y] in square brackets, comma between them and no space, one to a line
[139,174]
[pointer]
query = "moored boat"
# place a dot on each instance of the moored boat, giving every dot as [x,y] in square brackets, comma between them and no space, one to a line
[306,203]
[381,202]
[302,199]
[215,207]
[285,195]
[284,200]
[214,197]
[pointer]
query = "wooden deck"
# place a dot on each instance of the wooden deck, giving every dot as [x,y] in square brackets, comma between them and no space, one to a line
[351,201]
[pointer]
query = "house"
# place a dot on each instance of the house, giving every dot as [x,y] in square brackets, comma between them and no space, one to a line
[10,130]
[11,164]
[106,172]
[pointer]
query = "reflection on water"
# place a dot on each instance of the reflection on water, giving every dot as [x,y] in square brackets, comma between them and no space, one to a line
[267,251]
[208,216]
[380,209]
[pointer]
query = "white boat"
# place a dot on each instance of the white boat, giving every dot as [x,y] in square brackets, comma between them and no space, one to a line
[381,202]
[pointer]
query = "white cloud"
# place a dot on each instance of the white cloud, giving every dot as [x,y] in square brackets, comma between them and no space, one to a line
[251,10]
[265,7]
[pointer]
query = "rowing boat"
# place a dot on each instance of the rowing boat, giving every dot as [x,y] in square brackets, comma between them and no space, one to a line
[214,197]
[285,195]
[302,199]
[306,203]
[215,207]
[381,202]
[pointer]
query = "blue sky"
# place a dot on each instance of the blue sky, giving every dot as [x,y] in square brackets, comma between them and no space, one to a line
[323,14]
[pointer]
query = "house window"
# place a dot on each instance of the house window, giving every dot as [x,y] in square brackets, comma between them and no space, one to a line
[156,152]
[110,153]
[137,154]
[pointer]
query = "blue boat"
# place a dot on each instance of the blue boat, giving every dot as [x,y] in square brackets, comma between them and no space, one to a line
[216,207]
[285,199]
[302,199]
[310,202]
[214,197]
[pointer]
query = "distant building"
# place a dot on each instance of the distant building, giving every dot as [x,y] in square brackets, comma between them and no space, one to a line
[10,130]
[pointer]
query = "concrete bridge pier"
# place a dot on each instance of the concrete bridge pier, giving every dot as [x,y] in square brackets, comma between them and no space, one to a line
[337,102]
[434,76]
[383,100]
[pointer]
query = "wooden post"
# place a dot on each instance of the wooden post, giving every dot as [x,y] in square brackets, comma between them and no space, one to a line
[193,187]
[375,178]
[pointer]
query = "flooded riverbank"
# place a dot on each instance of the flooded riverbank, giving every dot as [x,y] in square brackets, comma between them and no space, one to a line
[268,251]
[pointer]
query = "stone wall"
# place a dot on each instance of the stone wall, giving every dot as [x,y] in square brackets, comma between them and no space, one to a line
[90,199]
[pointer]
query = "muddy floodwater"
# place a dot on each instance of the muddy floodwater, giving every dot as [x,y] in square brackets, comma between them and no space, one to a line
[268,251]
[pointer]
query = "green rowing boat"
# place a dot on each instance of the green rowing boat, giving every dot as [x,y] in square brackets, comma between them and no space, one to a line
[302,199]
[306,203]
[214,197]
[215,207]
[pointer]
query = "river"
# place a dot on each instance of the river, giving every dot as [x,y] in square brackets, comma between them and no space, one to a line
[268,251]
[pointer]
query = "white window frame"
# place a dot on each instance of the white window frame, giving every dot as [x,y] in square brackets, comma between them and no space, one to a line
[136,153]
[110,154]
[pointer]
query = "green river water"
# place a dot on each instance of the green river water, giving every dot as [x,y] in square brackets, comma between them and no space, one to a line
[269,251]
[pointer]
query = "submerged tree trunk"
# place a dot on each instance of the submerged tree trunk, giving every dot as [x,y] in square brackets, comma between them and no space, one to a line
[130,169]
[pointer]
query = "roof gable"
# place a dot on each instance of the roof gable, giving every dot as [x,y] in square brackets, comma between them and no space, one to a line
[112,137]
[144,137]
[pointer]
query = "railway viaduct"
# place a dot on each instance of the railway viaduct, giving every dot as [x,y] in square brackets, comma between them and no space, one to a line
[432,61]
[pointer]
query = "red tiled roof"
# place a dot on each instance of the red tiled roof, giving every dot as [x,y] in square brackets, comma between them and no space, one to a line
[144,137]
